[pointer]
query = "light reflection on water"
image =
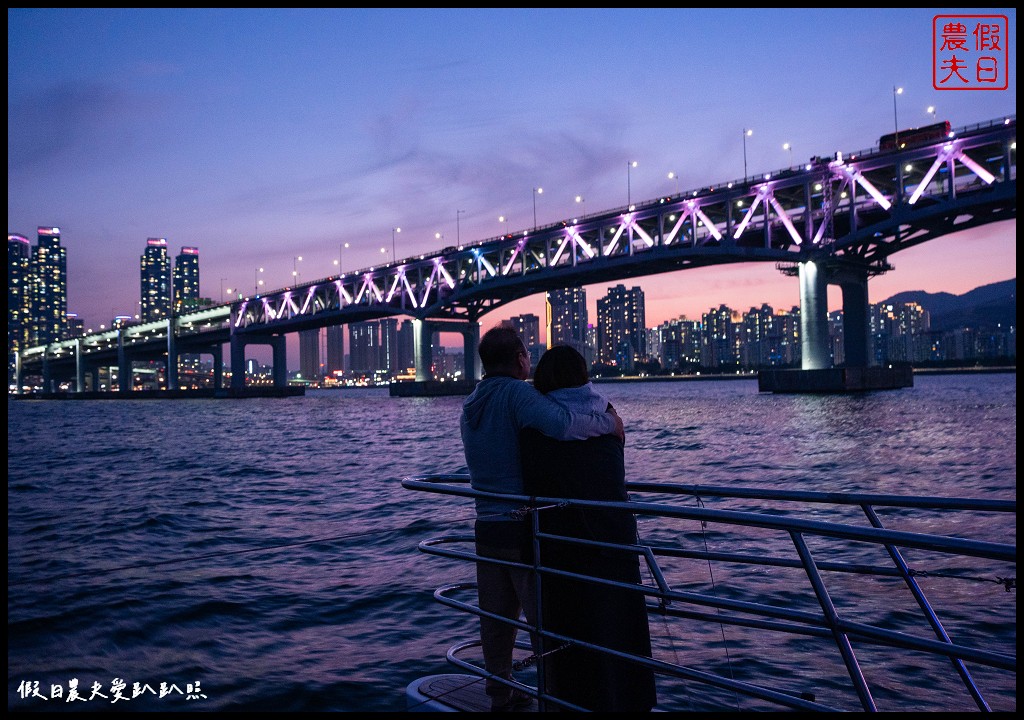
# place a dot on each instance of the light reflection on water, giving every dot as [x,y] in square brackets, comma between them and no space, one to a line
[303,588]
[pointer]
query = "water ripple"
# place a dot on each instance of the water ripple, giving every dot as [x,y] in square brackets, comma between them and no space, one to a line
[267,549]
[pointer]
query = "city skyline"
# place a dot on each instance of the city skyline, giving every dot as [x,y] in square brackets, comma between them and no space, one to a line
[722,337]
[256,138]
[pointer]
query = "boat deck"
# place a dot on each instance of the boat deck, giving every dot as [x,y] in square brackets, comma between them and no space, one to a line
[451,693]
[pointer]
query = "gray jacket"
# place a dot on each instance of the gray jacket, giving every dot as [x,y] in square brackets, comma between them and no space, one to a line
[492,417]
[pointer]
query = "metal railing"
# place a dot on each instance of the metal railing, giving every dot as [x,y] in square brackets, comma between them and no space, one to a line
[792,569]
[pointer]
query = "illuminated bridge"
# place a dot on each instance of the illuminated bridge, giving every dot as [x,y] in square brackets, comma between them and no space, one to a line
[835,220]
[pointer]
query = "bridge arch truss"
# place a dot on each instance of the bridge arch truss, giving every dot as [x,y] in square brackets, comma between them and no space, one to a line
[857,209]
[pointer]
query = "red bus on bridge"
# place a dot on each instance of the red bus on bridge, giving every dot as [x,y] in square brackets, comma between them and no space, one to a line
[915,136]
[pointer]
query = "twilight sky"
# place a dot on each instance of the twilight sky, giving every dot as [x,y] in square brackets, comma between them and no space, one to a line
[263,135]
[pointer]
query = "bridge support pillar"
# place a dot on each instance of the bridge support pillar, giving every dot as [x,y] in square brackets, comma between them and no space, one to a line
[18,380]
[280,350]
[218,367]
[814,342]
[50,382]
[856,325]
[423,337]
[124,365]
[470,343]
[47,375]
[237,362]
[172,356]
[79,367]
[423,351]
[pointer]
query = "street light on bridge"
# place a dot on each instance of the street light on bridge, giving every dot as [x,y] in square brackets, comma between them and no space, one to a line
[394,230]
[338,261]
[582,201]
[629,185]
[256,281]
[673,176]
[931,111]
[536,191]
[747,132]
[895,118]
[787,146]
[295,269]
[504,219]
[458,233]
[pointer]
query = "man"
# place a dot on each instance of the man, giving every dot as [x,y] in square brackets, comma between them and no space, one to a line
[502,405]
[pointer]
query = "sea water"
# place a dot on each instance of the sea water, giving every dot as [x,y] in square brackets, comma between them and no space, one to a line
[261,554]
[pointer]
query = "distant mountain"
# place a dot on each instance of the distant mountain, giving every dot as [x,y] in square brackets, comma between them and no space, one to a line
[983,308]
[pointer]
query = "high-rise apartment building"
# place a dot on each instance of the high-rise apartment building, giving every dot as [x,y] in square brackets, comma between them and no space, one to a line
[900,332]
[680,344]
[621,324]
[756,347]
[528,327]
[186,280]
[389,346]
[836,339]
[720,344]
[185,297]
[767,339]
[592,340]
[448,364]
[49,288]
[788,323]
[156,281]
[567,320]
[76,326]
[364,346]
[653,341]
[19,306]
[406,346]
[309,355]
[335,349]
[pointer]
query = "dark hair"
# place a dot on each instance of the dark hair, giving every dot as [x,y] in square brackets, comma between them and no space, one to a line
[499,349]
[560,367]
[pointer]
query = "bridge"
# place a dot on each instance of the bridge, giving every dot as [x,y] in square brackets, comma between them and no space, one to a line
[835,220]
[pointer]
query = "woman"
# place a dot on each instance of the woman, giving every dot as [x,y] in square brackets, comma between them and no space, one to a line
[611,617]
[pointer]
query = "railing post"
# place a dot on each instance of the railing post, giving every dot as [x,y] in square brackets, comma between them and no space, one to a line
[541,646]
[926,608]
[832,619]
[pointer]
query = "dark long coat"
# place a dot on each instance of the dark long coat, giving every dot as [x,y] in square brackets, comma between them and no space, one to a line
[591,470]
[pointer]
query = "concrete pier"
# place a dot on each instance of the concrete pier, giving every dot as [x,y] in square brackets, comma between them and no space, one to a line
[179,394]
[836,380]
[430,388]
